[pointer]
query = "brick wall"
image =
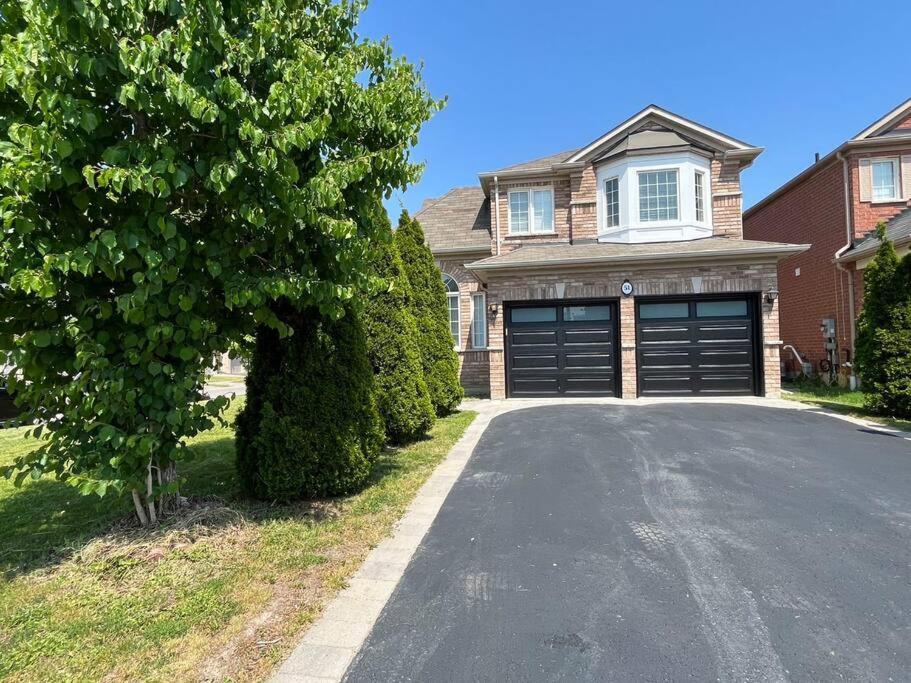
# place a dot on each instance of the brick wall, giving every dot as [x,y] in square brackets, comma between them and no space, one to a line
[562,213]
[648,282]
[904,124]
[473,363]
[727,200]
[584,214]
[812,212]
[866,215]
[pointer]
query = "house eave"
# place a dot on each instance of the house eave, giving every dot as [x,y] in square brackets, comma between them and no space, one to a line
[854,255]
[754,254]
[450,251]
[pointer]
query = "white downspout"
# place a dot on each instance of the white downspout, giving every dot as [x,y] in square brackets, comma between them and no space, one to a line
[496,189]
[849,241]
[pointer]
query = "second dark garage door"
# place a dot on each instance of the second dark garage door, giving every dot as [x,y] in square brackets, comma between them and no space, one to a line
[702,346]
[561,348]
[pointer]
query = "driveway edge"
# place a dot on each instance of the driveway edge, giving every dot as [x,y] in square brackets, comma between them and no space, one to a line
[331,643]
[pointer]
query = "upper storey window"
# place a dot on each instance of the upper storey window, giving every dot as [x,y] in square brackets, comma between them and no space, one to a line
[531,211]
[885,174]
[658,196]
[654,197]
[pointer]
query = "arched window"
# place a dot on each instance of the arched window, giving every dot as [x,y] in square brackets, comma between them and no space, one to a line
[452,297]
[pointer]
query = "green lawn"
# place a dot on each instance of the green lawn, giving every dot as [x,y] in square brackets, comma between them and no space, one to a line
[839,400]
[220,594]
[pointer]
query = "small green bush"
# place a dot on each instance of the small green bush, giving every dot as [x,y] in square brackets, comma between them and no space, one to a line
[310,427]
[428,302]
[884,332]
[392,346]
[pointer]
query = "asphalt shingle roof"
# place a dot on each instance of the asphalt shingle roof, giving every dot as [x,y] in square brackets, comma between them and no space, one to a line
[565,253]
[458,219]
[898,229]
[543,163]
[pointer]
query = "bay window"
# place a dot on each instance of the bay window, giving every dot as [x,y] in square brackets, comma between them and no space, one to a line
[658,196]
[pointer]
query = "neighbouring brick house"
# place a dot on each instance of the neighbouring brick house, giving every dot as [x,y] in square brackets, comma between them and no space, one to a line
[834,206]
[618,268]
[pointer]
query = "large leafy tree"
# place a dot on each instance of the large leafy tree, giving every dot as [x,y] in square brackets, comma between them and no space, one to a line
[428,304]
[168,170]
[884,331]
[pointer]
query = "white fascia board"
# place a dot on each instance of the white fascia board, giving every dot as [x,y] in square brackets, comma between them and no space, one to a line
[674,118]
[898,112]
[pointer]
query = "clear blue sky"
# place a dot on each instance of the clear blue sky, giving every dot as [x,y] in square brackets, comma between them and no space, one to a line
[527,78]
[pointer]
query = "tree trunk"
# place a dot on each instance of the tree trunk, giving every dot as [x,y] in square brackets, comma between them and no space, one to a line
[153,504]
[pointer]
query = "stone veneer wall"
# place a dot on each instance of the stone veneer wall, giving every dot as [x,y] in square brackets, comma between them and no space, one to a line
[714,279]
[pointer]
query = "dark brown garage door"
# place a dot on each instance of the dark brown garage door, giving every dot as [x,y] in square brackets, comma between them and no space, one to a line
[702,346]
[563,348]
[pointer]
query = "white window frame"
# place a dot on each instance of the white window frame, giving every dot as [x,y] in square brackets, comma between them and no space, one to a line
[607,204]
[530,190]
[479,331]
[896,180]
[678,208]
[699,196]
[450,295]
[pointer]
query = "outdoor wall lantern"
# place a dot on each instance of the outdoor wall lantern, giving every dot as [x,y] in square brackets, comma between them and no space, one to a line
[771,296]
[494,309]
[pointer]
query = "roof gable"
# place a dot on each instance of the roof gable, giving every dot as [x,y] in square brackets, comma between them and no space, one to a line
[654,117]
[896,122]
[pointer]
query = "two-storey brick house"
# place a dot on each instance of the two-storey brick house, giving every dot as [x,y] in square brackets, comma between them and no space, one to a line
[615,269]
[834,206]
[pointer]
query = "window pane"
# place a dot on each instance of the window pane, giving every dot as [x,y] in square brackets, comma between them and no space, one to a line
[454,318]
[700,198]
[451,284]
[658,196]
[721,309]
[612,202]
[518,212]
[669,310]
[543,210]
[533,315]
[579,313]
[883,180]
[479,324]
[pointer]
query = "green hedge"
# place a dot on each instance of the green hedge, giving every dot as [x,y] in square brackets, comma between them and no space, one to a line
[884,332]
[428,304]
[310,427]
[392,346]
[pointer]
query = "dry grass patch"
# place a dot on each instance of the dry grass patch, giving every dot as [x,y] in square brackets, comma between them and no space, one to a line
[222,593]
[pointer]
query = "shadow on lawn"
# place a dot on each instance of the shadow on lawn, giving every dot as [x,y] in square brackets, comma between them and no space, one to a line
[47,522]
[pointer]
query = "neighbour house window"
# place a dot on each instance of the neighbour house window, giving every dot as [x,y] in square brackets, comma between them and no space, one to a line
[885,174]
[531,211]
[658,196]
[700,197]
[452,298]
[612,202]
[479,321]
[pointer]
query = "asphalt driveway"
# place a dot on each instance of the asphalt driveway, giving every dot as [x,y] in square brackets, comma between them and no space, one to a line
[663,542]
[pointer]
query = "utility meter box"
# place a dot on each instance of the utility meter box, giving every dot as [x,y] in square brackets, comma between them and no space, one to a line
[828,327]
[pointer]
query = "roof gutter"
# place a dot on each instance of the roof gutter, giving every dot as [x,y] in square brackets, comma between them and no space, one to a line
[781,251]
[446,251]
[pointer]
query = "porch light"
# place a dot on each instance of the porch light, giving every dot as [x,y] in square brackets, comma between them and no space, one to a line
[771,296]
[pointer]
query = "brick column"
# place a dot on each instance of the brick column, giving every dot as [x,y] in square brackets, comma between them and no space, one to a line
[771,349]
[628,346]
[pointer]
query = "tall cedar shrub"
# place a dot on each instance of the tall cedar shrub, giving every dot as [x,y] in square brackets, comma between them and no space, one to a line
[168,171]
[392,346]
[884,332]
[310,426]
[428,303]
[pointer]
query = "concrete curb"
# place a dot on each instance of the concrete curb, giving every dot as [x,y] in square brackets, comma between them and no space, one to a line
[332,642]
